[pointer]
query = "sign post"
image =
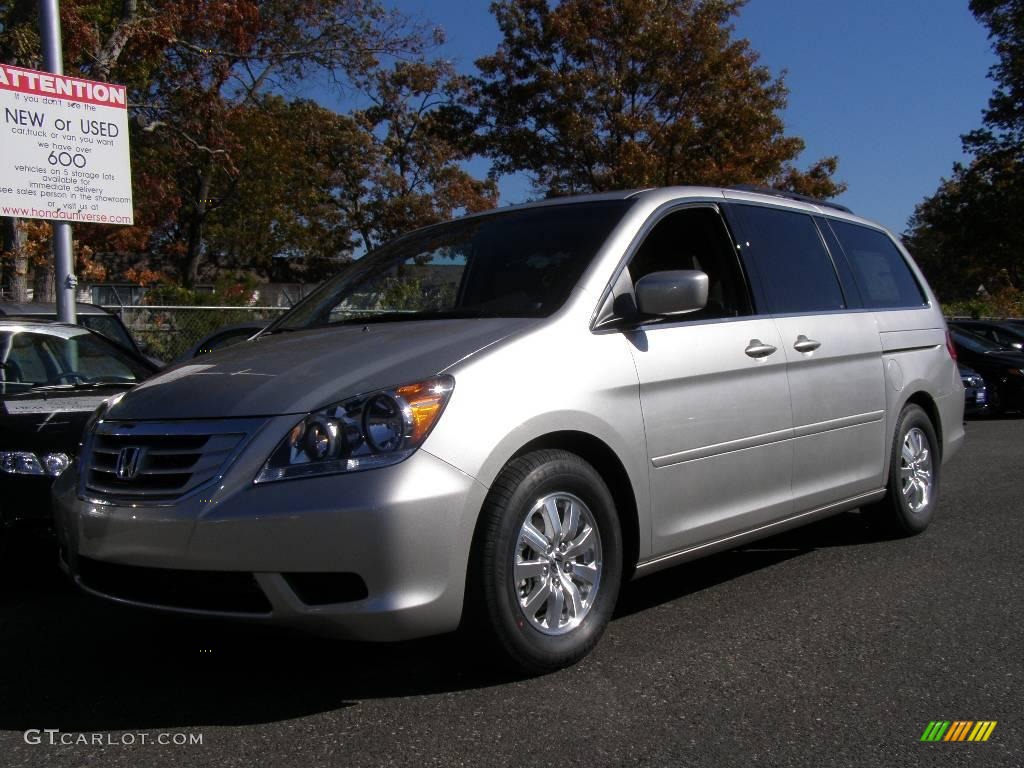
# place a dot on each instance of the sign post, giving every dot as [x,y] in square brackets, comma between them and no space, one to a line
[65,281]
[63,152]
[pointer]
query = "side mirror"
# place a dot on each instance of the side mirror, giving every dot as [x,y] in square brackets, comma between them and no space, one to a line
[672,293]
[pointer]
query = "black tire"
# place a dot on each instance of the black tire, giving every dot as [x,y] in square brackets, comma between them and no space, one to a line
[558,476]
[896,513]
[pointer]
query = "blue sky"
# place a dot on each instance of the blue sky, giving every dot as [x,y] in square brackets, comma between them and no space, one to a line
[887,85]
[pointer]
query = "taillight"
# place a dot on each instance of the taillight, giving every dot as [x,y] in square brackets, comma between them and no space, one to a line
[950,346]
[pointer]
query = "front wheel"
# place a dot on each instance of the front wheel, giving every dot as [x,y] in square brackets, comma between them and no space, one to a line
[549,559]
[913,486]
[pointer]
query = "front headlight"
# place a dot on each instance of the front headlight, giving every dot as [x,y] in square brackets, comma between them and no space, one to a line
[28,463]
[364,432]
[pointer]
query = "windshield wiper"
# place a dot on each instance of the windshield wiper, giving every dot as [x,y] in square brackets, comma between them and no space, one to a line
[398,317]
[279,329]
[80,386]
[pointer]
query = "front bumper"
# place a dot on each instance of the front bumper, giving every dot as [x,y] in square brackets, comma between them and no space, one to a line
[403,531]
[25,500]
[975,400]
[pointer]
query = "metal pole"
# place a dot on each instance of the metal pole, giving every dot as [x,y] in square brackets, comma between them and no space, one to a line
[63,262]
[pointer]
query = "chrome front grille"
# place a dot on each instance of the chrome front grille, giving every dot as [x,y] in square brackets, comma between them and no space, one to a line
[159,461]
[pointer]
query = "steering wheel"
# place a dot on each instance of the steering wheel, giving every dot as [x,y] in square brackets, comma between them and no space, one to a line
[80,378]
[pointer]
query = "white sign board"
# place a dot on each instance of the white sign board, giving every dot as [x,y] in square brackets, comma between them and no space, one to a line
[63,148]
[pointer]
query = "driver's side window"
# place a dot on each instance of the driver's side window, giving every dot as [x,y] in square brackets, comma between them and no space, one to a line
[27,355]
[696,238]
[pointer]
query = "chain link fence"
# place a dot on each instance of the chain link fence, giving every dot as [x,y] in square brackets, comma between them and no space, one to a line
[167,332]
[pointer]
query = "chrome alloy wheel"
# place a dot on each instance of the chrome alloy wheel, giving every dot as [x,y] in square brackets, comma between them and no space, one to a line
[557,564]
[916,477]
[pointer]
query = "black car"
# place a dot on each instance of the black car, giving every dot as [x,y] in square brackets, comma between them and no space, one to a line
[1005,333]
[1001,367]
[52,377]
[90,316]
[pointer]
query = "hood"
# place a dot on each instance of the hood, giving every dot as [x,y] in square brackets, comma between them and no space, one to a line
[47,421]
[300,371]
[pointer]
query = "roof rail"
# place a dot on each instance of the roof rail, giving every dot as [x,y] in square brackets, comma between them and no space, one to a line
[788,195]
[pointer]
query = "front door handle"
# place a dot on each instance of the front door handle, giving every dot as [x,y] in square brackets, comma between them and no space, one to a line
[758,348]
[803,344]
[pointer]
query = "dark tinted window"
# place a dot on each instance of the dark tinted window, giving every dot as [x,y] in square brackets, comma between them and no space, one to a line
[520,263]
[976,343]
[882,275]
[846,278]
[787,253]
[696,238]
[109,326]
[1004,336]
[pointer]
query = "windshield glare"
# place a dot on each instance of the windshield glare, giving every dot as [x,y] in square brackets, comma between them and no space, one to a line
[509,264]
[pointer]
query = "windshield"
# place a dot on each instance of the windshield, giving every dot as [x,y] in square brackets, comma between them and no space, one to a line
[520,263]
[976,343]
[61,356]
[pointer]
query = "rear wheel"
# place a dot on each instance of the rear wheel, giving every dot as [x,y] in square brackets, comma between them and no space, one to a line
[913,485]
[549,559]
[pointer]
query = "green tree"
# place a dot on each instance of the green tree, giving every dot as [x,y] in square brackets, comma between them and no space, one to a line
[197,72]
[602,94]
[218,58]
[271,217]
[396,165]
[970,233]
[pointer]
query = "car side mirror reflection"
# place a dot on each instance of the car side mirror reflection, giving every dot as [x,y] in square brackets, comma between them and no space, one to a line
[674,292]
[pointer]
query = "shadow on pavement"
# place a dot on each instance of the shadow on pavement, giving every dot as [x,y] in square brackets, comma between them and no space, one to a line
[80,664]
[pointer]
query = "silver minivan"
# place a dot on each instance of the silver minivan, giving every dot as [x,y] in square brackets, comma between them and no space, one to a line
[501,418]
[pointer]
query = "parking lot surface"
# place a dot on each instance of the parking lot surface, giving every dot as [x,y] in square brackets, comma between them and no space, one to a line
[823,646]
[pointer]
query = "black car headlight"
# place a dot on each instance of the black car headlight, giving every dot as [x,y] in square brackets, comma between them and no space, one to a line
[364,432]
[29,463]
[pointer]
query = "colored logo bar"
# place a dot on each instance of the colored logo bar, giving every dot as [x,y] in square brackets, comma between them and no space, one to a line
[958,730]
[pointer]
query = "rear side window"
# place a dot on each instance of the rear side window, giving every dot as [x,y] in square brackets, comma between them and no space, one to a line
[108,326]
[884,279]
[787,253]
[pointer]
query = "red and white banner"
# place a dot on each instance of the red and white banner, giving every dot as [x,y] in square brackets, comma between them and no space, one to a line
[63,148]
[48,84]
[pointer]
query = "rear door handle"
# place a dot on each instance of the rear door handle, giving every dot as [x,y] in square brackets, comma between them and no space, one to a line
[803,344]
[758,348]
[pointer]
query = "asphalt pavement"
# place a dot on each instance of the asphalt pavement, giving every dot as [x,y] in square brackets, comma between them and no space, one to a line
[820,647]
